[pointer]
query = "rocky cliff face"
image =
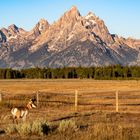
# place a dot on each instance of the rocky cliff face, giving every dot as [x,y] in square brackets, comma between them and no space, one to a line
[73,40]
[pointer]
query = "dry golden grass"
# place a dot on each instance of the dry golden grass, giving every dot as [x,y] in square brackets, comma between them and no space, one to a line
[56,100]
[29,86]
[92,94]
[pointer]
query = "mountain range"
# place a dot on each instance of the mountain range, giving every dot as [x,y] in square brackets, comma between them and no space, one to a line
[71,41]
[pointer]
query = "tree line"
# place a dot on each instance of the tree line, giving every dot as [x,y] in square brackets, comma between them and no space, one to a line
[100,73]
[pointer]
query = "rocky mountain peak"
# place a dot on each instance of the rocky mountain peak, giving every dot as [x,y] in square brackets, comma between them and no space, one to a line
[72,15]
[98,27]
[73,8]
[13,30]
[13,27]
[73,12]
[41,27]
[90,15]
[11,34]
[43,21]
[72,40]
[90,20]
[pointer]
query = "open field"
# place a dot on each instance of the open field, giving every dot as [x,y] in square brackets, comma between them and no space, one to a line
[28,86]
[96,106]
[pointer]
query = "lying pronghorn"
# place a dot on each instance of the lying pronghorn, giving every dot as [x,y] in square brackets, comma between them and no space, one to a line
[21,112]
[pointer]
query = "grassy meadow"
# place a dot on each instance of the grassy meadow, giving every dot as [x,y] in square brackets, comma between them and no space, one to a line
[56,116]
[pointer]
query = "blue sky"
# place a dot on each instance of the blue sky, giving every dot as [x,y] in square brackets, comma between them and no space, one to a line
[122,17]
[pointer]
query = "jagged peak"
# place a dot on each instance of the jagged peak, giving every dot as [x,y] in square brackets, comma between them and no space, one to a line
[13,26]
[74,8]
[69,17]
[41,27]
[42,24]
[91,15]
[43,21]
[73,11]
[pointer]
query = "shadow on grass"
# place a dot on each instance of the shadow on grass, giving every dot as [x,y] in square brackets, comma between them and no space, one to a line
[45,129]
[2,132]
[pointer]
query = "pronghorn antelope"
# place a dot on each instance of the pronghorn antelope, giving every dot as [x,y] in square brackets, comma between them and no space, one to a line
[21,112]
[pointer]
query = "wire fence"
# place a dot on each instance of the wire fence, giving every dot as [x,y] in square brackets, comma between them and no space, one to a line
[78,100]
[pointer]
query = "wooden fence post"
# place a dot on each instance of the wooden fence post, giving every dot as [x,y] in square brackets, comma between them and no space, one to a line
[0,96]
[76,99]
[37,98]
[117,101]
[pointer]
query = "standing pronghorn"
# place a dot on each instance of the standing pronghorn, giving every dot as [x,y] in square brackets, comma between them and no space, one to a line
[21,112]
